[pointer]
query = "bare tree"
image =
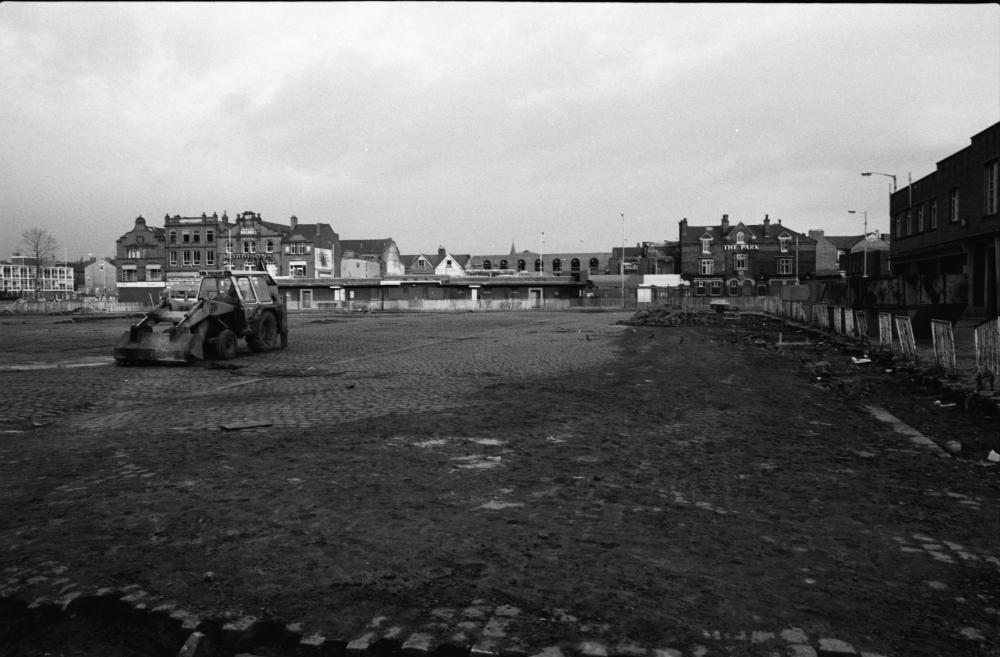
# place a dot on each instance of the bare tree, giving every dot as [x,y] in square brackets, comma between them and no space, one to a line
[40,246]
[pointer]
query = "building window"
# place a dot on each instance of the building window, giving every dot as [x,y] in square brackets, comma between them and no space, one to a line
[521,265]
[210,257]
[297,270]
[909,222]
[538,264]
[185,237]
[740,238]
[556,265]
[699,289]
[209,235]
[270,246]
[716,288]
[186,258]
[706,244]
[134,253]
[574,264]
[196,257]
[920,219]
[246,246]
[784,244]
[173,258]
[933,213]
[734,288]
[953,203]
[253,246]
[594,265]
[503,264]
[229,247]
[742,261]
[129,275]
[706,266]
[990,186]
[899,225]
[153,273]
[784,266]
[196,237]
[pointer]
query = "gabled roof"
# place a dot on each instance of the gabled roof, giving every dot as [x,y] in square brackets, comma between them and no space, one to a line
[844,242]
[773,230]
[321,234]
[411,260]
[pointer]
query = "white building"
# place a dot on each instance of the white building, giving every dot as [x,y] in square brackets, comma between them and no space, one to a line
[19,276]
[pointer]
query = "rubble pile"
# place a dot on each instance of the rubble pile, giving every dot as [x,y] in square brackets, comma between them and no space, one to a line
[670,316]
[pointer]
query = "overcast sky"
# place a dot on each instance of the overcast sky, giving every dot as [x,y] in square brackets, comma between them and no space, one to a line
[474,126]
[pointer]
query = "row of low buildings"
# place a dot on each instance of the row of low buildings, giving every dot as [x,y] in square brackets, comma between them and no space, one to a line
[944,223]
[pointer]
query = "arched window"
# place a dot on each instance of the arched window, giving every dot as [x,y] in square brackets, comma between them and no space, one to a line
[520,265]
[503,264]
[740,238]
[270,246]
[594,265]
[538,264]
[574,265]
[556,265]
[487,265]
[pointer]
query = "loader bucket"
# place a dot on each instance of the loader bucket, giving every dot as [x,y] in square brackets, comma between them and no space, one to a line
[175,345]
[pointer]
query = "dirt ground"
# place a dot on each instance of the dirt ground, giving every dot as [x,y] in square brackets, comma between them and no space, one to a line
[702,490]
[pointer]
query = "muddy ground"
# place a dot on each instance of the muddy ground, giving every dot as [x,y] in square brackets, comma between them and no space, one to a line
[699,487]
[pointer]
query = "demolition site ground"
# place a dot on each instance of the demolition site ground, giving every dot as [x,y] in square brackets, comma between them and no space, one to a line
[506,484]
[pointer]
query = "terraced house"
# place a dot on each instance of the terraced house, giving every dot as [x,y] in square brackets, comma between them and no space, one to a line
[739,259]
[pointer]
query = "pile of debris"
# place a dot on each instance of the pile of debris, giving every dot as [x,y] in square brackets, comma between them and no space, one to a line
[672,316]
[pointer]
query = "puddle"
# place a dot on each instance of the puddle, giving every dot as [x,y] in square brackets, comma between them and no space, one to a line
[477,462]
[436,442]
[494,442]
[496,505]
[92,361]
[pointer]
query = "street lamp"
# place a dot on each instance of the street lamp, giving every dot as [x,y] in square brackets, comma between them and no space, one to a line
[865,238]
[887,175]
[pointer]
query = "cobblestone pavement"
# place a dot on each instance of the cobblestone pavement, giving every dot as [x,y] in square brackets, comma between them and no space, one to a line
[501,484]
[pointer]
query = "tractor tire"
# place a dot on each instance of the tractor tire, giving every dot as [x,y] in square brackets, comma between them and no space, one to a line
[267,334]
[225,345]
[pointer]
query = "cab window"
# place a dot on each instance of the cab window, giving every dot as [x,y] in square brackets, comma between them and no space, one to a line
[246,290]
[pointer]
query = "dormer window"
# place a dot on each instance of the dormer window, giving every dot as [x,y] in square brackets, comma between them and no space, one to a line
[783,240]
[741,238]
[706,244]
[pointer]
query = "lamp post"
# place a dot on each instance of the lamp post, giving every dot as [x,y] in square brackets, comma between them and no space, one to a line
[865,237]
[622,262]
[887,175]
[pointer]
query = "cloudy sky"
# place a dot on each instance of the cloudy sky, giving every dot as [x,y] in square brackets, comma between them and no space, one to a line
[474,126]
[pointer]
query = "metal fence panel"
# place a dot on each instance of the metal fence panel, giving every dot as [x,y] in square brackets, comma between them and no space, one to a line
[988,347]
[848,323]
[907,343]
[861,323]
[885,332]
[944,344]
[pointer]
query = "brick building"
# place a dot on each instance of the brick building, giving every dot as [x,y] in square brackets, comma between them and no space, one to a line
[947,222]
[738,259]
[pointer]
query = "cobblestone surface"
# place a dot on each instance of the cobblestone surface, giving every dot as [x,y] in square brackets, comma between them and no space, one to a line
[526,484]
